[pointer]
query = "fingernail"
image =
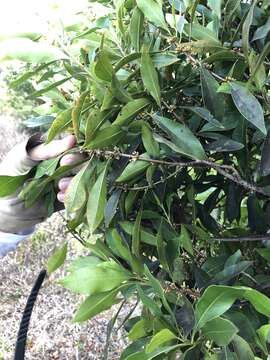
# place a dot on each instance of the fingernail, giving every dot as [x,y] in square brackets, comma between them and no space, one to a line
[64,183]
[61,197]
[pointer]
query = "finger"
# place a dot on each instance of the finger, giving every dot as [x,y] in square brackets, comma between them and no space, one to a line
[53,149]
[71,159]
[64,183]
[61,196]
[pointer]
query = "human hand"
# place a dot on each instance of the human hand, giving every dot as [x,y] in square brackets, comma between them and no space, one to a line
[54,149]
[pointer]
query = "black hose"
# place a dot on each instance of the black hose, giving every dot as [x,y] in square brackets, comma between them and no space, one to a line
[24,325]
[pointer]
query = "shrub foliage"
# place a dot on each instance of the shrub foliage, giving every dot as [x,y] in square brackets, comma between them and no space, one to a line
[169,101]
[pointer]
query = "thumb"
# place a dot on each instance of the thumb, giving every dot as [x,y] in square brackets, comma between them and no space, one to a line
[53,149]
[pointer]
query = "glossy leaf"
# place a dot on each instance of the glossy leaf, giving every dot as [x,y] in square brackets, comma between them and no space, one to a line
[76,113]
[248,106]
[215,301]
[265,161]
[182,137]
[108,136]
[220,330]
[152,10]
[242,349]
[159,339]
[136,235]
[57,259]
[133,169]
[130,111]
[246,29]
[103,67]
[150,76]
[96,304]
[76,193]
[61,123]
[149,143]
[96,278]
[9,184]
[136,28]
[185,241]
[111,206]
[213,100]
[97,201]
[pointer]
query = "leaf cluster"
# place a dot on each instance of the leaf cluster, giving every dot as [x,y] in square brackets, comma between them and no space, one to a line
[169,101]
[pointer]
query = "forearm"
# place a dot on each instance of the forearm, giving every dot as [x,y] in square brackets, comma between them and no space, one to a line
[9,242]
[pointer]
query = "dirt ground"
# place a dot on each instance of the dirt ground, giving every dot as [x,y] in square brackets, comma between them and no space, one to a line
[51,335]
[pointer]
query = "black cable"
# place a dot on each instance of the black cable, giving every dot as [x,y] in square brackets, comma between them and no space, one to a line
[24,325]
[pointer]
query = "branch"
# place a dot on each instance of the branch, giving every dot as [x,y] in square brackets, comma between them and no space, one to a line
[221,169]
[244,238]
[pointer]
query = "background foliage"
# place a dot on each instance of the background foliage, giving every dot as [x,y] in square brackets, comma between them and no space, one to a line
[169,101]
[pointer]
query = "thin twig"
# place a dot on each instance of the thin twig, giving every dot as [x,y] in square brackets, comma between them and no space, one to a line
[109,331]
[170,109]
[221,169]
[244,238]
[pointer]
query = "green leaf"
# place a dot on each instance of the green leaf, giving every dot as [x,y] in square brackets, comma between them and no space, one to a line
[96,304]
[215,301]
[219,330]
[265,253]
[152,10]
[246,29]
[185,240]
[130,111]
[76,113]
[260,302]
[60,124]
[215,5]
[148,302]
[199,32]
[159,291]
[159,339]
[145,236]
[134,169]
[112,206]
[9,184]
[29,74]
[119,92]
[94,121]
[264,334]
[265,159]
[161,248]
[206,115]
[57,259]
[213,100]
[164,60]
[136,28]
[242,349]
[117,245]
[149,143]
[110,136]
[96,278]
[39,121]
[136,235]
[150,76]
[97,202]
[182,137]
[47,167]
[28,51]
[52,86]
[103,67]
[76,193]
[231,272]
[139,330]
[248,106]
